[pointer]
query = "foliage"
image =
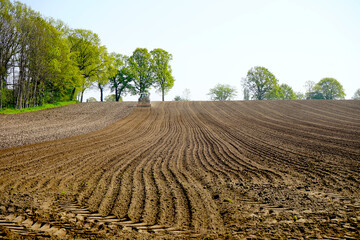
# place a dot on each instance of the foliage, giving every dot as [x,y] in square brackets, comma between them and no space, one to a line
[141,70]
[91,99]
[330,88]
[112,98]
[246,94]
[89,56]
[356,95]
[222,92]
[178,98]
[299,96]
[261,84]
[309,89]
[31,109]
[121,79]
[326,88]
[164,80]
[45,61]
[286,92]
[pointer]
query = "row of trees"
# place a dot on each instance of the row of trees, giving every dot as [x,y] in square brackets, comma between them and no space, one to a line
[144,69]
[43,60]
[261,84]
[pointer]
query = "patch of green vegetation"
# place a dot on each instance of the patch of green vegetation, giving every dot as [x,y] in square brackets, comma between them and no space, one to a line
[63,193]
[31,109]
[228,200]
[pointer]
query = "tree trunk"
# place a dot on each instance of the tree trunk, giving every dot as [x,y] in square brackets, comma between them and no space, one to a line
[101,94]
[116,94]
[73,94]
[163,94]
[82,95]
[1,90]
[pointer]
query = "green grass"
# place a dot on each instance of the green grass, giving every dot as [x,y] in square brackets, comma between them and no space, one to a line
[31,109]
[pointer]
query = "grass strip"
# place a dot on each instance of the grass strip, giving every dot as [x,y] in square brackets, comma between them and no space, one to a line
[31,109]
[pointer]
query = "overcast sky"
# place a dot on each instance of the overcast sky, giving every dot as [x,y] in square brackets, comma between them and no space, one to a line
[218,41]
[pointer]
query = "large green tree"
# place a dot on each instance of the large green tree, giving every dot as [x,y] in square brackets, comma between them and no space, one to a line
[87,54]
[286,92]
[121,79]
[105,68]
[222,92]
[141,70]
[330,88]
[261,83]
[164,80]
[9,43]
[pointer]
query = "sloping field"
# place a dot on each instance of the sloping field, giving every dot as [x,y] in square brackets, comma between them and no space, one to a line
[257,169]
[60,122]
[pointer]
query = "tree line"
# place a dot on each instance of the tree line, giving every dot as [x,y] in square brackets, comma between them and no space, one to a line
[42,60]
[261,84]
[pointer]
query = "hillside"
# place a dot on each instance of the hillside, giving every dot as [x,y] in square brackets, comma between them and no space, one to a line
[260,169]
[56,123]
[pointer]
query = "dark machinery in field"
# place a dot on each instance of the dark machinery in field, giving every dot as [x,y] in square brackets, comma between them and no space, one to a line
[144,100]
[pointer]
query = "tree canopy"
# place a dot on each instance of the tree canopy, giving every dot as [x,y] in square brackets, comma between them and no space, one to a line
[356,95]
[222,92]
[164,80]
[141,70]
[261,83]
[286,92]
[326,88]
[42,60]
[330,88]
[121,80]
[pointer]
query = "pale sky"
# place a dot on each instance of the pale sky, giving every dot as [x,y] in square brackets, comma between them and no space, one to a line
[218,41]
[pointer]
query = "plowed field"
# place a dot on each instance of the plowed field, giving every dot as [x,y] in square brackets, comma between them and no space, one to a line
[256,169]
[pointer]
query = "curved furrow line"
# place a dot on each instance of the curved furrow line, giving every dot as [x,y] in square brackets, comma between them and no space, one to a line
[235,158]
[174,192]
[254,114]
[308,119]
[302,156]
[158,201]
[117,149]
[200,153]
[215,142]
[328,114]
[204,211]
[342,108]
[64,169]
[137,202]
[193,133]
[253,150]
[337,136]
[222,149]
[143,189]
[100,192]
[151,210]
[341,145]
[102,167]
[166,140]
[308,129]
[53,151]
[166,197]
[145,154]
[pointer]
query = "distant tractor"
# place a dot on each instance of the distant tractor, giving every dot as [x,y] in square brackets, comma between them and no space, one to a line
[144,100]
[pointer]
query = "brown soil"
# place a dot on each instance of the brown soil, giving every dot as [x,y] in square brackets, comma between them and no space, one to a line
[61,122]
[255,169]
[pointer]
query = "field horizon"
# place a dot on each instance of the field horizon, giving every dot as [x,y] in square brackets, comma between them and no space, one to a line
[230,169]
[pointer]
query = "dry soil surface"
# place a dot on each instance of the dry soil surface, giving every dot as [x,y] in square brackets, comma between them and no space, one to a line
[61,122]
[216,170]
